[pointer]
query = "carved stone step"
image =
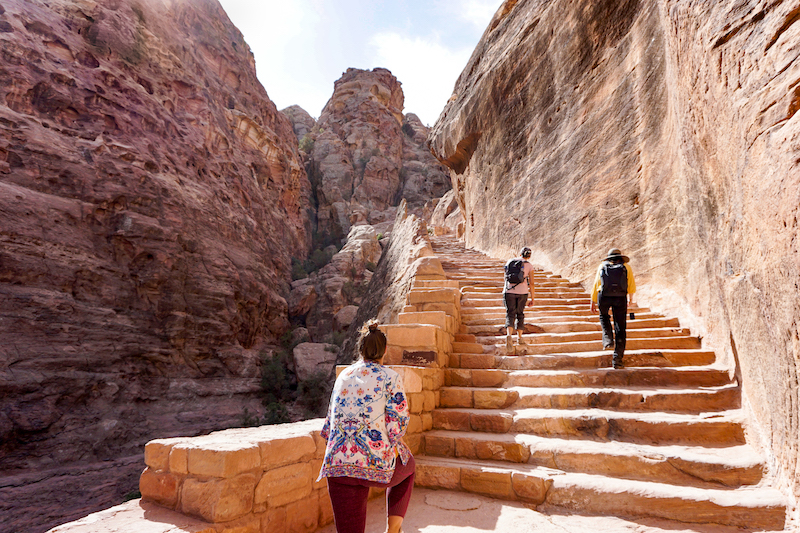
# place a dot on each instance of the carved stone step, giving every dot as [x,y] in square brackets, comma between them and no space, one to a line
[620,399]
[583,360]
[753,508]
[709,429]
[682,465]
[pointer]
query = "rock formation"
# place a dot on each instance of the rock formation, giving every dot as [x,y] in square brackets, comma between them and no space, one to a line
[667,129]
[302,122]
[151,199]
[363,156]
[367,156]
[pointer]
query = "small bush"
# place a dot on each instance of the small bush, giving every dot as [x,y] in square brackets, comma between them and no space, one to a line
[132,495]
[370,266]
[314,393]
[307,143]
[275,382]
[298,269]
[338,338]
[276,414]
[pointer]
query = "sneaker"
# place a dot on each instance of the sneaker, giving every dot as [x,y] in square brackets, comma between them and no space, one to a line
[509,343]
[617,363]
[520,340]
[608,346]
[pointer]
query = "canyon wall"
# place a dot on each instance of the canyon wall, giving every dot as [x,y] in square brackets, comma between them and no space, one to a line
[151,199]
[667,129]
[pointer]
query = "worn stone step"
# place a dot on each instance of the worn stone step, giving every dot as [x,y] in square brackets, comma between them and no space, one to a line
[582,360]
[468,347]
[533,315]
[591,377]
[497,327]
[680,465]
[653,343]
[754,508]
[485,293]
[608,377]
[716,429]
[620,399]
[541,303]
[587,336]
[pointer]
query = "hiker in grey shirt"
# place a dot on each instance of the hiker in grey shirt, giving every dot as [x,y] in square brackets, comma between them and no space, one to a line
[518,285]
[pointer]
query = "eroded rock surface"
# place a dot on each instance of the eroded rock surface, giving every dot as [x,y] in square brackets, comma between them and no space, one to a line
[151,197]
[667,129]
[367,156]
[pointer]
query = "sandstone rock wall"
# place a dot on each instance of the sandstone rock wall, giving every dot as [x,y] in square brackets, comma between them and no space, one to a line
[151,197]
[665,128]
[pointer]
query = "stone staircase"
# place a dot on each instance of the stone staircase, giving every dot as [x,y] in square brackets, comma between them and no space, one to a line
[553,424]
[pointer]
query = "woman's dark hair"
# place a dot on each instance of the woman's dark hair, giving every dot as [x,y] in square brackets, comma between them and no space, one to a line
[525,253]
[372,342]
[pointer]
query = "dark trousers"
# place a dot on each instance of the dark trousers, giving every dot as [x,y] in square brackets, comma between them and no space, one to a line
[349,497]
[515,310]
[619,308]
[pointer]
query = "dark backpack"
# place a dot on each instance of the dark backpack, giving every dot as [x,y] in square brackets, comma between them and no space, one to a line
[614,279]
[515,272]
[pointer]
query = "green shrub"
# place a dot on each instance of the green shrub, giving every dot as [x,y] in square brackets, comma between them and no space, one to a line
[298,269]
[275,383]
[370,266]
[337,338]
[307,143]
[276,414]
[314,393]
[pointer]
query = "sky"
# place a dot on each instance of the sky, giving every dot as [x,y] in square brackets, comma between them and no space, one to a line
[302,47]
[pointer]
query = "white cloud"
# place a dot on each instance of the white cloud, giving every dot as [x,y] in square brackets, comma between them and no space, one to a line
[427,69]
[479,12]
[280,34]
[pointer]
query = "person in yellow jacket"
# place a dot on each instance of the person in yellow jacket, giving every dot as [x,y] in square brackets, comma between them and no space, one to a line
[613,289]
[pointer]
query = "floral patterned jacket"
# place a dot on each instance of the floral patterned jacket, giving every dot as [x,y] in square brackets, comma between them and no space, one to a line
[367,417]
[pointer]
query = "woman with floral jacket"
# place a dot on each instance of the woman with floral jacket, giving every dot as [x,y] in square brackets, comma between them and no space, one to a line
[367,418]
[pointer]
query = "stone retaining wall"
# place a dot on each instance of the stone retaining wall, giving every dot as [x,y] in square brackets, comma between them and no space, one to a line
[263,480]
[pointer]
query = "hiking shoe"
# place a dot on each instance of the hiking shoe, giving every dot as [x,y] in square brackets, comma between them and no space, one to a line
[509,343]
[608,346]
[521,341]
[617,363]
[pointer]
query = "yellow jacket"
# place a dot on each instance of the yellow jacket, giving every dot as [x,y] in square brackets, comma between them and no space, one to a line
[596,286]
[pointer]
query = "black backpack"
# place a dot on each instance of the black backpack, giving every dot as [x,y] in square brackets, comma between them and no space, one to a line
[614,279]
[515,272]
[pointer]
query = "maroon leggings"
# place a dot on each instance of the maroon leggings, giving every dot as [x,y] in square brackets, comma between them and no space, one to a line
[349,497]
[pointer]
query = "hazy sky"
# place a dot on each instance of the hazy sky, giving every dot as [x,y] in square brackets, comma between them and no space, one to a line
[303,46]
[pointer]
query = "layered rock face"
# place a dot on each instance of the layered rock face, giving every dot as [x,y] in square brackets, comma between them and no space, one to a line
[363,157]
[367,156]
[667,129]
[151,198]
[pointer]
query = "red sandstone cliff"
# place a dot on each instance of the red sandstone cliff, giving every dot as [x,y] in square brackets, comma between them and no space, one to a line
[151,197]
[667,129]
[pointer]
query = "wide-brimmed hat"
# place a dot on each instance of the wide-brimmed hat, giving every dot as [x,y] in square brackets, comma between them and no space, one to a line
[614,253]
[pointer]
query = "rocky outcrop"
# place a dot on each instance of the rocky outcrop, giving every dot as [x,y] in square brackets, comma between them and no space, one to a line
[151,197]
[667,129]
[302,122]
[340,283]
[367,156]
[385,295]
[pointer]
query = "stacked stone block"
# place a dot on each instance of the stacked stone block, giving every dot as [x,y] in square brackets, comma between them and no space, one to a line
[248,480]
